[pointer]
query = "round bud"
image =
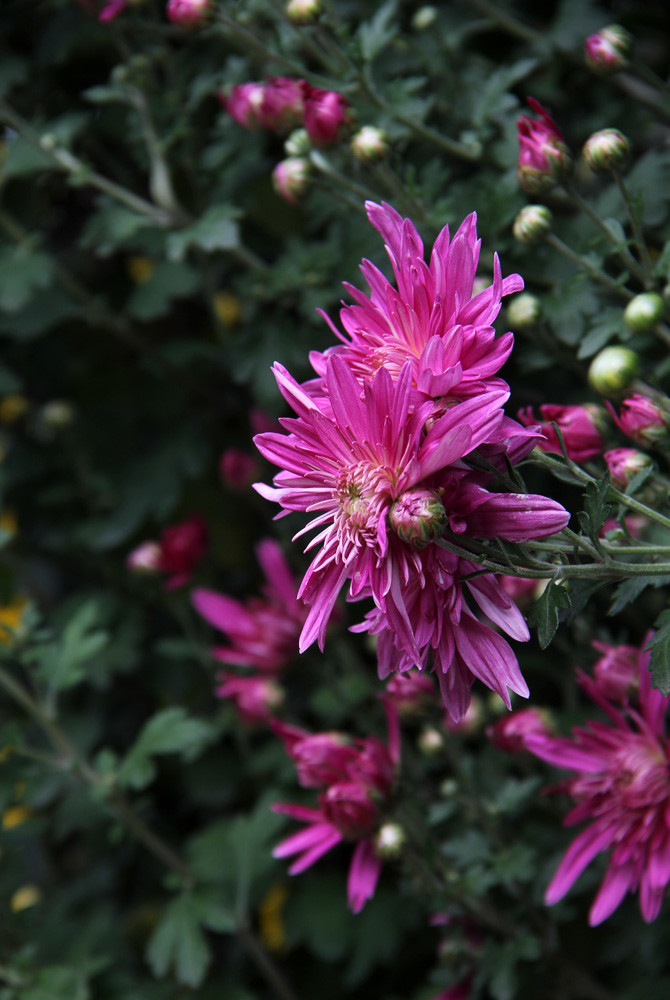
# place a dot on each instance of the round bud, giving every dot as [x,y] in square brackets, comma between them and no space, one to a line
[424,18]
[57,414]
[303,11]
[524,311]
[418,516]
[298,143]
[369,145]
[290,178]
[626,463]
[643,312]
[608,49]
[532,224]
[430,742]
[606,149]
[389,841]
[613,370]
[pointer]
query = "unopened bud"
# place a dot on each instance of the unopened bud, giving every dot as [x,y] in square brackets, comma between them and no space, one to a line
[626,463]
[145,558]
[304,11]
[606,150]
[430,742]
[613,370]
[643,312]
[298,143]
[389,841]
[532,224]
[188,13]
[369,145]
[524,311]
[608,49]
[57,414]
[418,516]
[424,18]
[290,178]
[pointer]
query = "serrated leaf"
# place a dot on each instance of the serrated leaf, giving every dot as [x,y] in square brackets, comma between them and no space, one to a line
[659,644]
[178,942]
[217,229]
[627,592]
[170,731]
[168,281]
[23,272]
[62,663]
[545,613]
[596,508]
[375,35]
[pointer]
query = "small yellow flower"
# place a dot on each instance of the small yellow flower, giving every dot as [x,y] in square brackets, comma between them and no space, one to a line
[8,522]
[26,896]
[11,617]
[227,308]
[12,407]
[15,816]
[270,924]
[140,269]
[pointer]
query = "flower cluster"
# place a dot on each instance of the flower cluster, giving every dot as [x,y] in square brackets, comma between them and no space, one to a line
[281,103]
[621,784]
[262,634]
[356,779]
[378,455]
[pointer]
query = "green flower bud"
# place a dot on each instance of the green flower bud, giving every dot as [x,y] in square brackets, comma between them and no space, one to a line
[424,18]
[643,312]
[304,11]
[290,178]
[524,311]
[608,49]
[298,143]
[418,516]
[613,370]
[430,742]
[532,224]
[606,149]
[369,145]
[389,841]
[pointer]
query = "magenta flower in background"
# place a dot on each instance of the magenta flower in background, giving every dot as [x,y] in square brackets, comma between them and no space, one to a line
[511,732]
[188,13]
[182,547]
[238,468]
[607,50]
[579,425]
[434,319]
[262,631]
[621,787]
[617,672]
[625,463]
[642,420]
[326,114]
[356,779]
[282,106]
[243,102]
[111,10]
[256,698]
[543,154]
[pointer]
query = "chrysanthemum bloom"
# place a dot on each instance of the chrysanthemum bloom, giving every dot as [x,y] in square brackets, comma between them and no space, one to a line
[543,155]
[580,426]
[434,319]
[357,780]
[621,787]
[182,547]
[326,114]
[188,13]
[256,698]
[357,467]
[625,463]
[262,631]
[642,420]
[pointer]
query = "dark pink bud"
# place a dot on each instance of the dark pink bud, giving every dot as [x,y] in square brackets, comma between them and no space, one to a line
[112,10]
[511,732]
[625,463]
[255,698]
[182,547]
[281,108]
[243,103]
[543,155]
[348,806]
[617,671]
[188,13]
[607,50]
[326,115]
[642,420]
[580,426]
[238,469]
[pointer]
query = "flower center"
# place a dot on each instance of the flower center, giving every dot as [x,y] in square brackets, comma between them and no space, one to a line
[364,494]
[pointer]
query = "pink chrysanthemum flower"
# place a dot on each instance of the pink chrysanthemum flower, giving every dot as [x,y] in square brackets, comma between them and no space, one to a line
[262,631]
[622,787]
[356,779]
[359,467]
[434,319]
[580,426]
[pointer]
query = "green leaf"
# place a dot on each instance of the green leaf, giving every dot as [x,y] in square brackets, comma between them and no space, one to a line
[659,644]
[111,227]
[12,70]
[217,229]
[63,663]
[178,942]
[627,592]
[545,613]
[376,34]
[23,271]
[596,508]
[168,281]
[170,731]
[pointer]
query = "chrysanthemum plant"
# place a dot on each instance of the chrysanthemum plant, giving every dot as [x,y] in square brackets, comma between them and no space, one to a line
[256,759]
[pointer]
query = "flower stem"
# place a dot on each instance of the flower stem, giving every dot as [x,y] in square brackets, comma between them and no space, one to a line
[585,264]
[635,227]
[623,252]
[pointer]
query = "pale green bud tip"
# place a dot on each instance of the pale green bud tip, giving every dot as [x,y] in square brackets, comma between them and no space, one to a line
[643,312]
[290,178]
[430,741]
[424,18]
[389,841]
[369,145]
[298,143]
[532,224]
[418,516]
[304,11]
[524,311]
[57,414]
[606,149]
[613,370]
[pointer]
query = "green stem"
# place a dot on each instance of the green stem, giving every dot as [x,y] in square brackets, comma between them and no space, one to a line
[324,166]
[623,252]
[72,165]
[636,227]
[592,269]
[508,23]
